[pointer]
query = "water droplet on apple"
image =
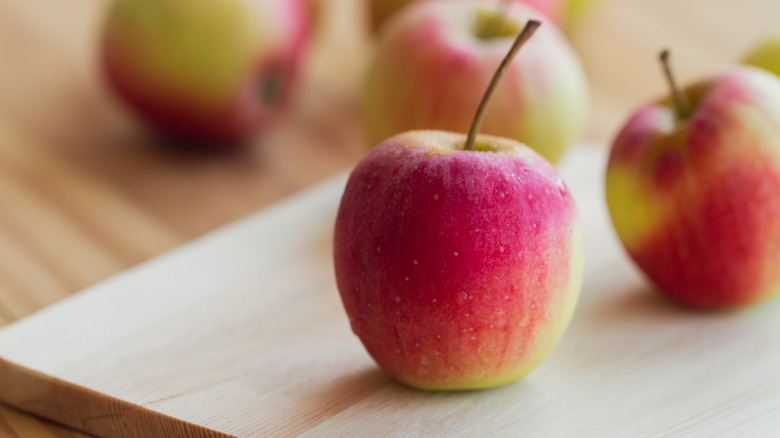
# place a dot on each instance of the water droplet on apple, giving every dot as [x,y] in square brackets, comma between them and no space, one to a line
[561,186]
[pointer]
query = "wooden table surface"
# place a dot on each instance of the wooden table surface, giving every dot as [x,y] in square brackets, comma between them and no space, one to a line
[85,193]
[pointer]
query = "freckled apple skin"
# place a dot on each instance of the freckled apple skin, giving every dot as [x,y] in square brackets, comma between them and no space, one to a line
[697,206]
[430,71]
[195,69]
[457,269]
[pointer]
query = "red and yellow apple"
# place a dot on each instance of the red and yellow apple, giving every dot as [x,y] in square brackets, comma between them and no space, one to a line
[435,58]
[693,188]
[458,269]
[210,71]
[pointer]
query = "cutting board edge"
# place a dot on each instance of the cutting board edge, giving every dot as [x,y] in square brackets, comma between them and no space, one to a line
[86,410]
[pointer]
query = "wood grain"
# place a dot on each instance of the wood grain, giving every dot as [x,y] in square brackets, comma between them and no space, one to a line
[16,424]
[86,193]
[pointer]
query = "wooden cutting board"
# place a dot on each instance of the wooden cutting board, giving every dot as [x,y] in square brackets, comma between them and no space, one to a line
[241,333]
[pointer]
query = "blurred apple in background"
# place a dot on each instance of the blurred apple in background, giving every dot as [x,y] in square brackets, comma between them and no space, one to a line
[693,188]
[212,71]
[458,259]
[766,54]
[435,58]
[381,10]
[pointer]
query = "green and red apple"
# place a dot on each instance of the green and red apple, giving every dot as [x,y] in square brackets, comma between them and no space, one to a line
[435,58]
[766,54]
[693,188]
[209,71]
[458,259]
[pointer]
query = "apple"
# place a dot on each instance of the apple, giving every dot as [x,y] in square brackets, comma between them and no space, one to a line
[693,188]
[766,54]
[208,71]
[458,259]
[380,11]
[436,56]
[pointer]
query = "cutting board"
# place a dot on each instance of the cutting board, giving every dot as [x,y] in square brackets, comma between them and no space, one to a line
[241,333]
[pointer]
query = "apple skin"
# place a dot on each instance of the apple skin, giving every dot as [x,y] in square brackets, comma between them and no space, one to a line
[209,71]
[766,54]
[457,269]
[430,71]
[697,204]
[380,11]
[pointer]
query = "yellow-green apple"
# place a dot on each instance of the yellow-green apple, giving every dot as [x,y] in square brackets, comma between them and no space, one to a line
[458,259]
[435,57]
[693,188]
[766,54]
[210,71]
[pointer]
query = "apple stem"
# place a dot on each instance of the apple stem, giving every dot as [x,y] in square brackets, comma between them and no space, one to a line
[524,35]
[680,101]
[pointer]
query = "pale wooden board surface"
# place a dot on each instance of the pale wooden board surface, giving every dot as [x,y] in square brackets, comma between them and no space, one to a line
[255,343]
[84,194]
